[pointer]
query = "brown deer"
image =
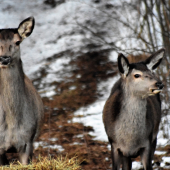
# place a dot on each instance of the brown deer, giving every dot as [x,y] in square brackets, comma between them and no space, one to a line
[132,112]
[21,108]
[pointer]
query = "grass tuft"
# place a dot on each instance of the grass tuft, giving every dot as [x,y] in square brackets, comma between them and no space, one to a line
[47,163]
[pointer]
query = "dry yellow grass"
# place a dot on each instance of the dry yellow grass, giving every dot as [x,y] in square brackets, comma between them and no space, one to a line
[47,164]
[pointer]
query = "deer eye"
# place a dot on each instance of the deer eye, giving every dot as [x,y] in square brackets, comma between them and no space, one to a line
[137,76]
[18,42]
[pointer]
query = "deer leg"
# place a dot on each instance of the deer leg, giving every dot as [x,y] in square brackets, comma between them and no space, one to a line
[127,163]
[146,156]
[3,160]
[116,158]
[153,147]
[25,155]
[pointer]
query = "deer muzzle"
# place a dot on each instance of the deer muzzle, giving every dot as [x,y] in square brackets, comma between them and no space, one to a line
[159,85]
[5,60]
[158,88]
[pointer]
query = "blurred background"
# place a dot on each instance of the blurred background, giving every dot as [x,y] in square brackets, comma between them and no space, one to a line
[71,58]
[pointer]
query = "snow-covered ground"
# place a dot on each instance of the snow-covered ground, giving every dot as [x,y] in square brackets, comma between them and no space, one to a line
[46,145]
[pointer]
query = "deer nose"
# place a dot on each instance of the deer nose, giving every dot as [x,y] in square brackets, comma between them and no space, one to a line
[159,85]
[5,60]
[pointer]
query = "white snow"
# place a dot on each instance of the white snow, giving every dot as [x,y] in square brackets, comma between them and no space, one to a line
[58,147]
[136,165]
[165,160]
[53,139]
[45,145]
[164,131]
[160,152]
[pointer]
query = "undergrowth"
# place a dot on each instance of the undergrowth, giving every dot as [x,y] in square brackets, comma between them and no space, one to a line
[47,163]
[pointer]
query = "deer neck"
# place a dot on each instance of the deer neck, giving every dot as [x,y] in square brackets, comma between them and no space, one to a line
[12,91]
[133,111]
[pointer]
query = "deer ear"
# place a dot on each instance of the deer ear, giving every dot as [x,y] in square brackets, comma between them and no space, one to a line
[123,65]
[26,27]
[155,59]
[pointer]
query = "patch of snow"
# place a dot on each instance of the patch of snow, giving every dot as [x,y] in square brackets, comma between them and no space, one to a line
[72,88]
[80,136]
[160,152]
[58,147]
[113,56]
[69,121]
[53,139]
[107,159]
[109,147]
[164,131]
[136,165]
[45,145]
[54,71]
[164,162]
[48,94]
[78,76]
[166,159]
[58,65]
[76,143]
[37,144]
[47,91]
[162,142]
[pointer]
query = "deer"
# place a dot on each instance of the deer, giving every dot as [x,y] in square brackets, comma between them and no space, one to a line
[21,107]
[132,112]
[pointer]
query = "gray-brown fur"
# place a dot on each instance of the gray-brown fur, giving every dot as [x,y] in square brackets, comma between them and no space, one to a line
[21,108]
[132,112]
